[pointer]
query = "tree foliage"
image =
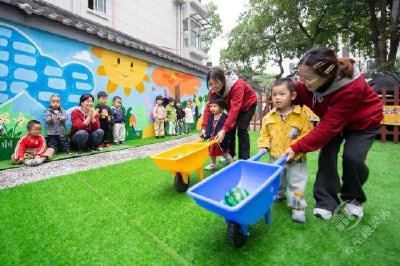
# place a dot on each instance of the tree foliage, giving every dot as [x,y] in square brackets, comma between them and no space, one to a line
[272,30]
[215,26]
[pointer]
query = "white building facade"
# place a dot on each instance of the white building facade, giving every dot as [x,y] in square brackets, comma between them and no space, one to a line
[174,25]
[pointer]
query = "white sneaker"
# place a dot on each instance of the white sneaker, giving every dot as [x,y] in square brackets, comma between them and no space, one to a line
[223,160]
[322,213]
[34,162]
[299,215]
[352,209]
[228,158]
[210,167]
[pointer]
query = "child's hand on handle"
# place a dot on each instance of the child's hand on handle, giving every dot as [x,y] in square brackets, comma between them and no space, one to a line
[263,150]
[220,136]
[289,153]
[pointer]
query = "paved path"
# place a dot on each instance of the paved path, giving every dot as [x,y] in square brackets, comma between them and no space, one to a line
[18,176]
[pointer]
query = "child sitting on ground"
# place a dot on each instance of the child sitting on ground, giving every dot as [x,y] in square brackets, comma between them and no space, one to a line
[281,127]
[56,130]
[159,116]
[32,149]
[118,118]
[214,124]
[105,118]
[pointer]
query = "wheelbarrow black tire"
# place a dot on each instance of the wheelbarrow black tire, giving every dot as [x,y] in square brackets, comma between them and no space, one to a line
[180,186]
[235,235]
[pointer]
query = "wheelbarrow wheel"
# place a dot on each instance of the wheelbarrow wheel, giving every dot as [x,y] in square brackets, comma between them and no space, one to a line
[180,186]
[235,235]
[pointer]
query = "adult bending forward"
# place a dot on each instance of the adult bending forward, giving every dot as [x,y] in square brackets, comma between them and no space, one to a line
[241,102]
[349,111]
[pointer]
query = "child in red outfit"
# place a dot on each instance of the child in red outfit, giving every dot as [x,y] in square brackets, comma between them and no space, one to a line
[214,124]
[32,149]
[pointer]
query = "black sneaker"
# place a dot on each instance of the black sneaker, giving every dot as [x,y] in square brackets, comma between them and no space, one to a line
[94,149]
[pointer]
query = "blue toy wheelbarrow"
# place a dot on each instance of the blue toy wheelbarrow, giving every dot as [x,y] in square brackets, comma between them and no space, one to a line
[261,180]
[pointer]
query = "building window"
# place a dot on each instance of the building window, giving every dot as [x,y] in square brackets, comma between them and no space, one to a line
[195,34]
[98,5]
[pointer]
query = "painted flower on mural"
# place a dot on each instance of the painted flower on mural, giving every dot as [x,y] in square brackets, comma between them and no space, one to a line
[20,119]
[132,121]
[122,70]
[8,129]
[4,118]
[178,83]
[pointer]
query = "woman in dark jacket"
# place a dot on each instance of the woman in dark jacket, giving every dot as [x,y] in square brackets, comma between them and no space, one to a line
[241,102]
[349,111]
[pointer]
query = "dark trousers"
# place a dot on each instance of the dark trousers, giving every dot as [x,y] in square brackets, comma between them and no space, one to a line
[241,126]
[83,140]
[107,132]
[58,143]
[355,171]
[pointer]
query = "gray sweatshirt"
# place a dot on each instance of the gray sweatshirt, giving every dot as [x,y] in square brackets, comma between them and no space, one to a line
[55,126]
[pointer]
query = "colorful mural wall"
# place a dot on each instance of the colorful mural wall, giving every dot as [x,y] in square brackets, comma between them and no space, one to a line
[35,64]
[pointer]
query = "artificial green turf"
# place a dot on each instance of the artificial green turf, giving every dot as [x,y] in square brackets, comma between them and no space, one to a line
[7,164]
[130,214]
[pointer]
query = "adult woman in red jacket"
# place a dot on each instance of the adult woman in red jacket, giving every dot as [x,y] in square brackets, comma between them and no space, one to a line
[85,131]
[241,102]
[349,111]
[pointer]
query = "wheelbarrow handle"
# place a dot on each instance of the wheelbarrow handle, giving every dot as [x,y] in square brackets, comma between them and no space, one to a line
[281,161]
[258,156]
[208,142]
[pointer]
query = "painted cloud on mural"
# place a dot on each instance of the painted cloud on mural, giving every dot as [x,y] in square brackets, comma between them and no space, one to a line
[23,67]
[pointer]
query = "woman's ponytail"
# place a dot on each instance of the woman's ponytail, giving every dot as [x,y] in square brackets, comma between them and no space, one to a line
[346,67]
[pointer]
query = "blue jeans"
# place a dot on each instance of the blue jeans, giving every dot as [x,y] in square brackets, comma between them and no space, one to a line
[83,140]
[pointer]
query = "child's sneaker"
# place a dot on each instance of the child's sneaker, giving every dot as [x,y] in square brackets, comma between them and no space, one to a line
[108,145]
[228,158]
[322,213]
[279,198]
[100,147]
[223,160]
[352,209]
[122,142]
[30,162]
[94,149]
[210,167]
[299,215]
[34,162]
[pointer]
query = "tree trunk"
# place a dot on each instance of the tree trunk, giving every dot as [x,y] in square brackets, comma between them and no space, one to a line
[394,35]
[374,31]
[383,36]
[280,64]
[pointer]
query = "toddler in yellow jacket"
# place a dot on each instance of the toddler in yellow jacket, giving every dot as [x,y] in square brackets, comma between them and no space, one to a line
[282,126]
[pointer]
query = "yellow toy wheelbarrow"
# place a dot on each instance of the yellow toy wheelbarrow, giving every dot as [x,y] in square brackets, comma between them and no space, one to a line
[182,160]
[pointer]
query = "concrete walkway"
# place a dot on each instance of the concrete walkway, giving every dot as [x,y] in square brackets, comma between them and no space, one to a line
[18,176]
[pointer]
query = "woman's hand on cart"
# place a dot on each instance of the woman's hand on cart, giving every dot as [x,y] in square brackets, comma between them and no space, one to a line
[289,153]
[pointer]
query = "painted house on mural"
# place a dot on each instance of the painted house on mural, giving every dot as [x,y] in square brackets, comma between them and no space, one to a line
[71,47]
